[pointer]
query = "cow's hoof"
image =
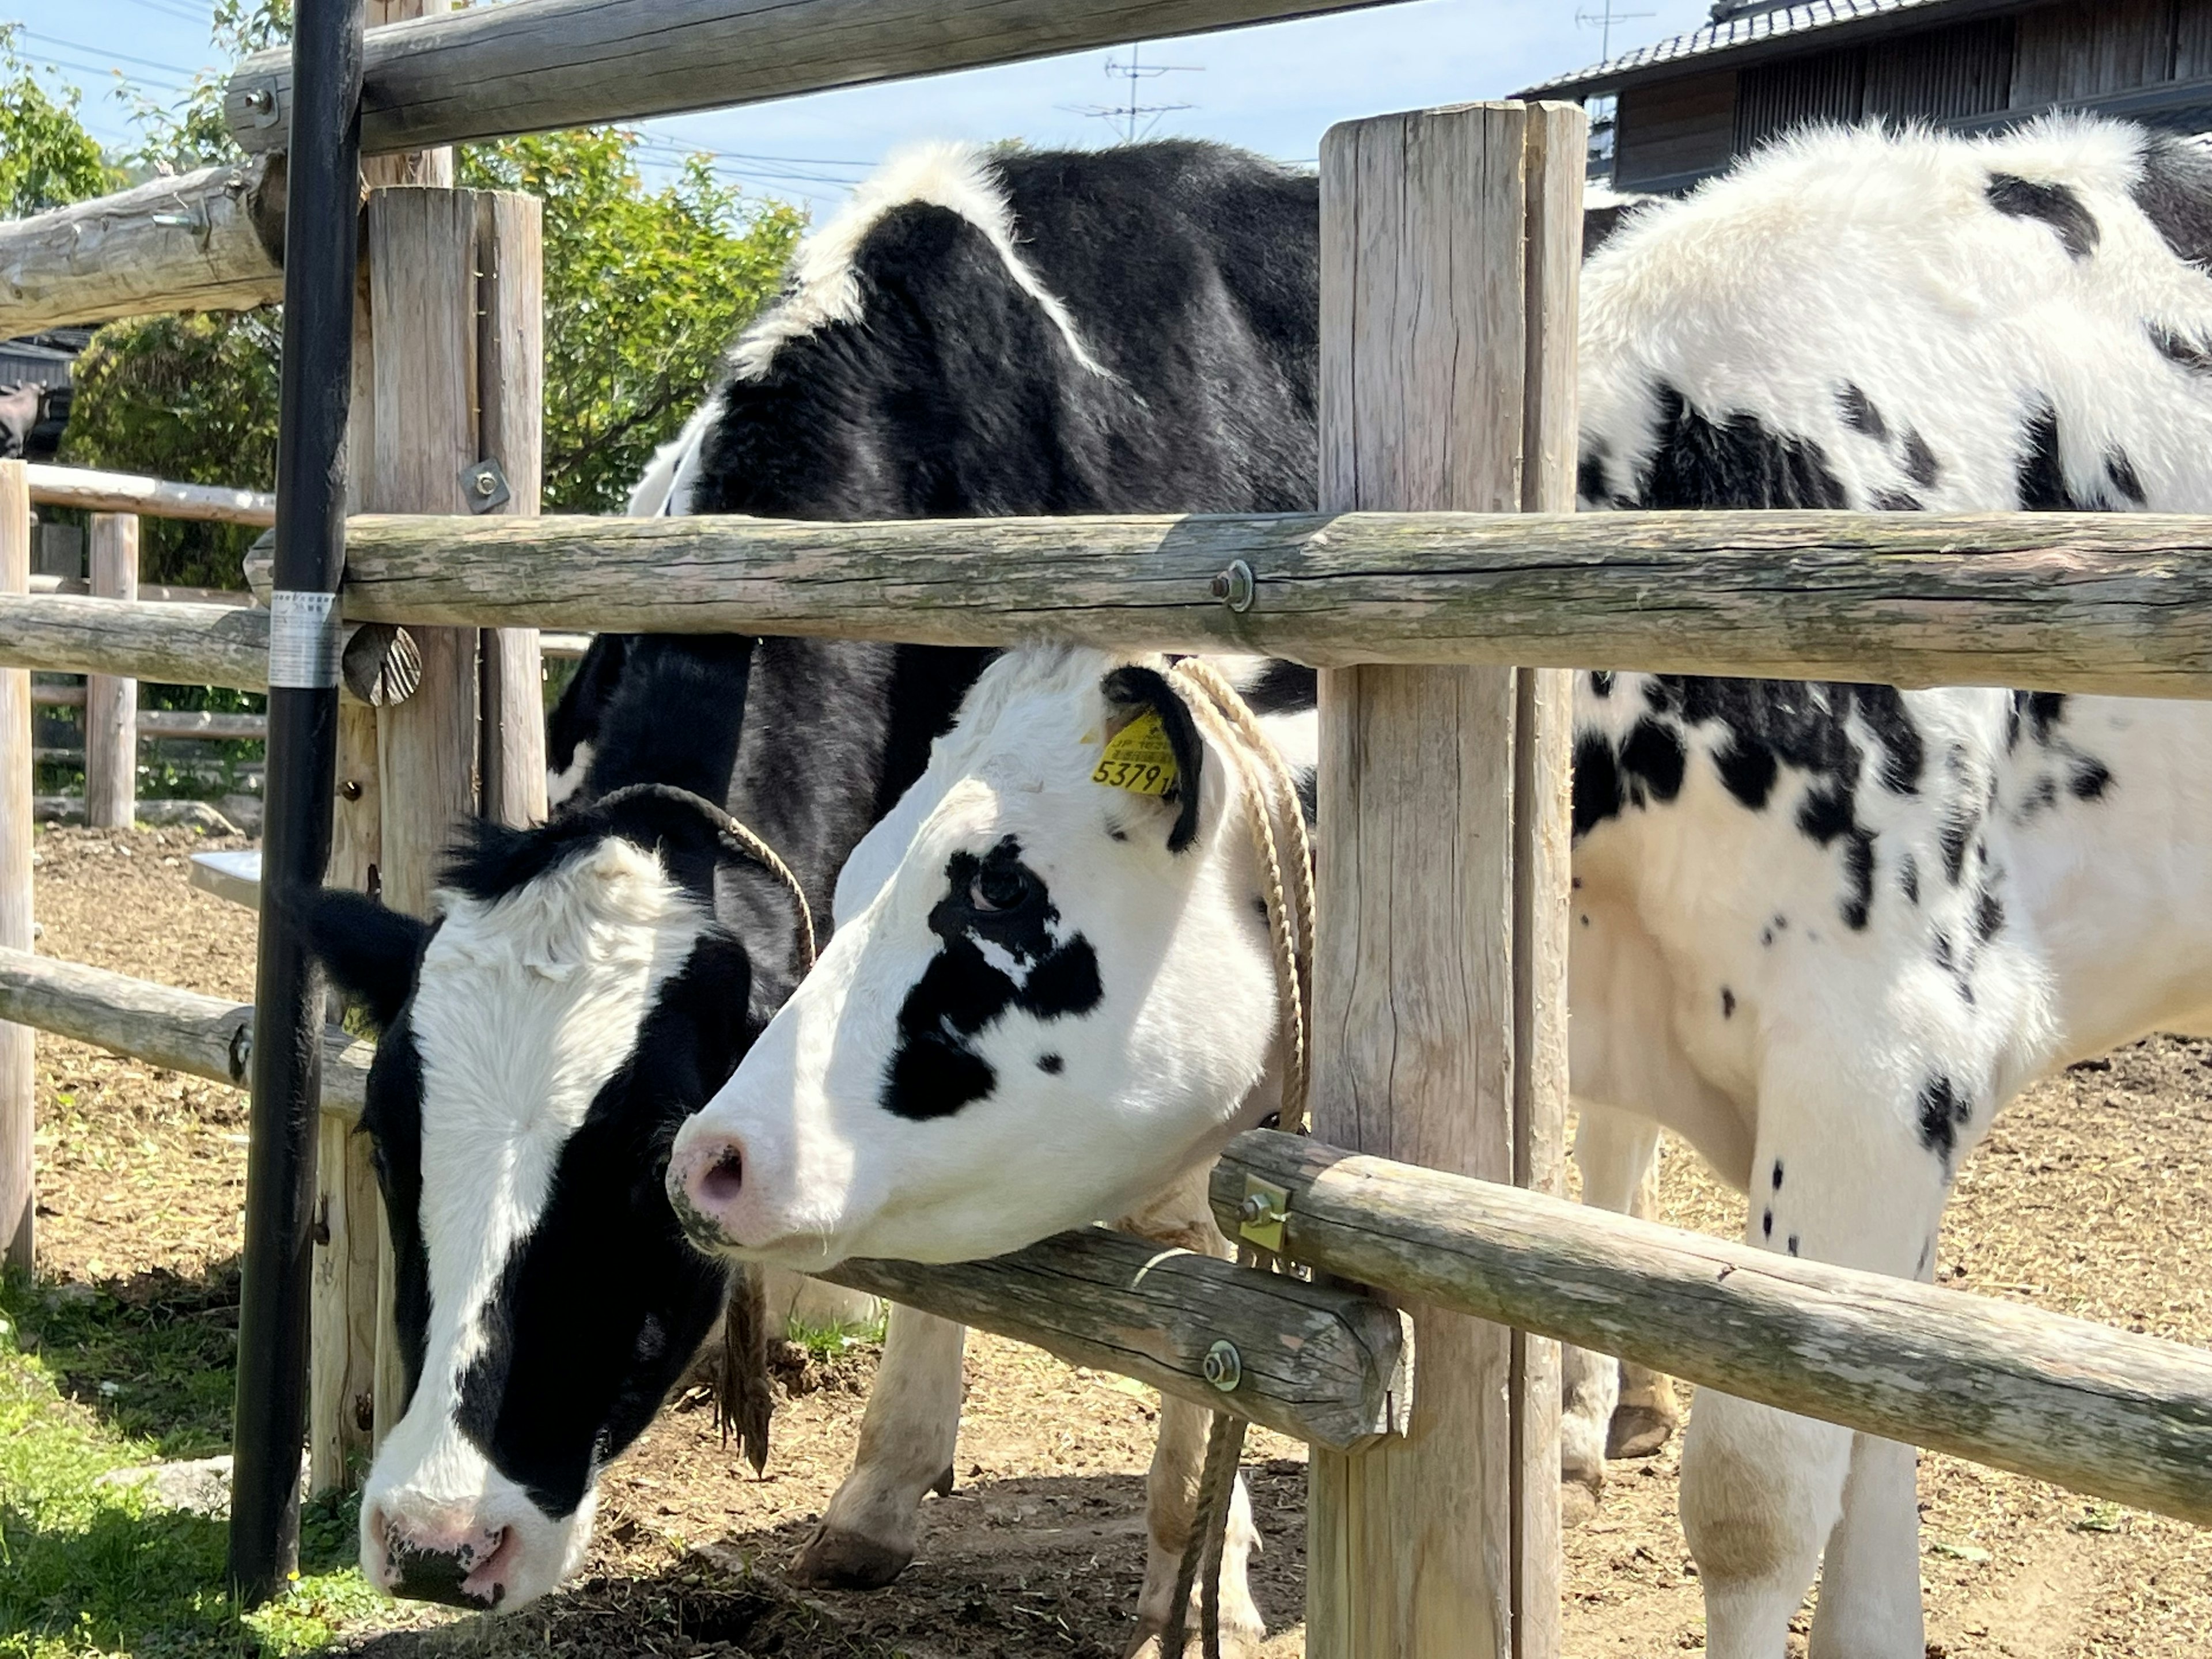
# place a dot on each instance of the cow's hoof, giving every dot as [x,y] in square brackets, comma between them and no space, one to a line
[1578,1502]
[1639,1431]
[844,1560]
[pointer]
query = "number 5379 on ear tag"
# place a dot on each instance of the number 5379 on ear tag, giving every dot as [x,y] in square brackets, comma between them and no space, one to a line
[1138,758]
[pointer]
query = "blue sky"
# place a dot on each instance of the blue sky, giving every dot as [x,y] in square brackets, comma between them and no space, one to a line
[1274,89]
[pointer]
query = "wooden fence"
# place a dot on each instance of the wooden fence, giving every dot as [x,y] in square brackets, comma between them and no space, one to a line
[1419,593]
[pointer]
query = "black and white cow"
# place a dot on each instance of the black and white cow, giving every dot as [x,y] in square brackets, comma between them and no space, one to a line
[1822,930]
[979,332]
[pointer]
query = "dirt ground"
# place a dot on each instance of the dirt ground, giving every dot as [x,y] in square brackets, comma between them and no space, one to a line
[2093,1197]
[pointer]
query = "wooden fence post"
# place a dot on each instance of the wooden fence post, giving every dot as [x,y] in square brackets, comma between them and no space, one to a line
[1450,242]
[111,705]
[18,1178]
[454,299]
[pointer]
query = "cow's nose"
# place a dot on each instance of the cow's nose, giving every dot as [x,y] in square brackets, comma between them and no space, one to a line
[463,1565]
[706,1184]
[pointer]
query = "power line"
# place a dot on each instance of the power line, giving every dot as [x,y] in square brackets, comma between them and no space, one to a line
[120,57]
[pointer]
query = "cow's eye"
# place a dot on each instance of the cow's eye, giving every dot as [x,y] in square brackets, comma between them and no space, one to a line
[1000,887]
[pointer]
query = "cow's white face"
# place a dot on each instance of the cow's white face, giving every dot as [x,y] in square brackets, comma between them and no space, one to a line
[537,1047]
[1045,997]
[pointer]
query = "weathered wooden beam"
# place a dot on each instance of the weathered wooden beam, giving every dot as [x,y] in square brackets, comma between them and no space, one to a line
[110,707]
[2116,602]
[1327,1366]
[170,643]
[182,1030]
[202,723]
[2100,1410]
[157,498]
[539,64]
[211,240]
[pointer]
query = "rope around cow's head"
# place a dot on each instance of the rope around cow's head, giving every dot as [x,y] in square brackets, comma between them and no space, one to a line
[734,836]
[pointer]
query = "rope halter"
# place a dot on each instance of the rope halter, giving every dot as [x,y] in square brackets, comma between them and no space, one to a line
[735,836]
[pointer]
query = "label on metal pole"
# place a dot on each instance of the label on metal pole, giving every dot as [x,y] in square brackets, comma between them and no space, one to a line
[305,640]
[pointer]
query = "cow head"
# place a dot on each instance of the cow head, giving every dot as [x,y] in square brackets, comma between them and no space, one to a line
[1046,995]
[538,1044]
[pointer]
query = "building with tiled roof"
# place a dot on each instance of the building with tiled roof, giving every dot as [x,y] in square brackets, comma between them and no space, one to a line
[1670,114]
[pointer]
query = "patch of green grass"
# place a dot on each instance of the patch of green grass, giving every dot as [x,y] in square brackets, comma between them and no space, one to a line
[154,1357]
[88,1569]
[827,1341]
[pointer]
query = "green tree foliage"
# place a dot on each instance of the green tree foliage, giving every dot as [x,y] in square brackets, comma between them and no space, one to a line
[644,289]
[46,157]
[190,397]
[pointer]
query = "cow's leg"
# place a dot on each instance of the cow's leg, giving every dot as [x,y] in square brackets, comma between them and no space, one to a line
[1617,1152]
[1170,1505]
[1839,1175]
[1647,1414]
[1870,1576]
[1181,1215]
[873,1524]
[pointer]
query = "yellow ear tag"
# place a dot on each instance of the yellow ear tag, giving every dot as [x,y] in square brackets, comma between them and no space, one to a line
[1138,758]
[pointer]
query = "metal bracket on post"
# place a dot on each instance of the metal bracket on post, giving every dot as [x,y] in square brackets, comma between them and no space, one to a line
[484,486]
[1260,1219]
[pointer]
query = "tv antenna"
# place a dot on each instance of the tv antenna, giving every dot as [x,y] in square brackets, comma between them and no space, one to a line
[1136,119]
[1603,21]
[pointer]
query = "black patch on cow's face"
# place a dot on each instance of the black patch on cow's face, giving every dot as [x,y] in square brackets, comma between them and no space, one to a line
[1920,463]
[1738,463]
[392,1117]
[2056,205]
[2045,712]
[1051,1065]
[2090,780]
[1861,415]
[601,1306]
[1600,683]
[1908,879]
[994,900]
[1944,1110]
[1589,479]
[1989,916]
[1147,688]
[1896,501]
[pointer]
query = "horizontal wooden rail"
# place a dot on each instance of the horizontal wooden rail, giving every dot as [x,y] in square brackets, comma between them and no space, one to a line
[1323,1365]
[536,65]
[149,593]
[2097,1410]
[199,1036]
[2068,602]
[165,722]
[211,240]
[169,643]
[154,498]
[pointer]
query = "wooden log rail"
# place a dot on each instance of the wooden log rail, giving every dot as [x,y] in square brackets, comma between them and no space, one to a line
[199,1036]
[537,65]
[124,492]
[2098,1411]
[1322,1366]
[179,642]
[2110,603]
[211,240]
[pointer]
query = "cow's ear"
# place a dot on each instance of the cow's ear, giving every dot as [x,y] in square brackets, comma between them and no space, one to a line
[370,953]
[1134,691]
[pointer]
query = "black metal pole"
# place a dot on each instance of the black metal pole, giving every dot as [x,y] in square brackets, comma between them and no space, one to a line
[321,234]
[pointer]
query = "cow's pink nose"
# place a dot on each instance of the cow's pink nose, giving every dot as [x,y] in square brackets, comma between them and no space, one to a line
[459,1562]
[710,1182]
